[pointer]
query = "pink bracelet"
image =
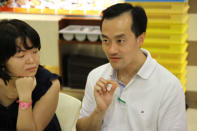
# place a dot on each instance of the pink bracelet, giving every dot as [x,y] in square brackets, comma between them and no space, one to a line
[24,105]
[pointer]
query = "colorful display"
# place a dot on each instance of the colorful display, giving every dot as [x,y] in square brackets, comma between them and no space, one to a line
[74,7]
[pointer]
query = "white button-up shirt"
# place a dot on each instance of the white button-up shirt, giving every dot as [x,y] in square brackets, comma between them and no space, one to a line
[153,100]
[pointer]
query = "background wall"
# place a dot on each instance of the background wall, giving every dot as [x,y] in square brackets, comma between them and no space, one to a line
[191,95]
[192,48]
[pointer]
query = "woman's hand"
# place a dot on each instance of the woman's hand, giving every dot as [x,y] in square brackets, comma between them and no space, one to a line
[25,87]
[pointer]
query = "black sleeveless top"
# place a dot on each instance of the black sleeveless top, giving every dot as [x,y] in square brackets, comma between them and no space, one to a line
[8,115]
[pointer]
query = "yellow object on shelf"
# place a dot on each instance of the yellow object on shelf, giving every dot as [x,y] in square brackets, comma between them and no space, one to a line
[92,12]
[77,12]
[20,10]
[168,18]
[48,11]
[174,66]
[34,10]
[168,48]
[180,75]
[179,57]
[53,69]
[62,12]
[165,38]
[163,7]
[167,28]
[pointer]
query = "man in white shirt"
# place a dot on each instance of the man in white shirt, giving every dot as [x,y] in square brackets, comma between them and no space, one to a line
[132,92]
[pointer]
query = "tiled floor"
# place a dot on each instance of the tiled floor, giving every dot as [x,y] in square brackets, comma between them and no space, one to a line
[192,119]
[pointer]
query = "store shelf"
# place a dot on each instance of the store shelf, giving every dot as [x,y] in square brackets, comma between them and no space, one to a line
[75,20]
[61,41]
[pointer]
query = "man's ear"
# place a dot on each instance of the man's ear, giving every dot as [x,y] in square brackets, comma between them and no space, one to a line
[140,39]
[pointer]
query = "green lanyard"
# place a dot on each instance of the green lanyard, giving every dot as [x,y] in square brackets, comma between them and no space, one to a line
[121,100]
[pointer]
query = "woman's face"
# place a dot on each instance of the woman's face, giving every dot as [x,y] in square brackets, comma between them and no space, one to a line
[24,62]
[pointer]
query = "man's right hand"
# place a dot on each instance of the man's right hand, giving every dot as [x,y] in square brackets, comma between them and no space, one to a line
[103,95]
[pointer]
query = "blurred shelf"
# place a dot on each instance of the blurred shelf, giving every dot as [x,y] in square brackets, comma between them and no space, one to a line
[61,41]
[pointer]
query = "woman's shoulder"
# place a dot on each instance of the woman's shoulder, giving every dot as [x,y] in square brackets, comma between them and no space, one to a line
[43,79]
[44,75]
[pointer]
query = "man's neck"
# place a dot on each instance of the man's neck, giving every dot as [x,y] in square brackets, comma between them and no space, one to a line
[126,74]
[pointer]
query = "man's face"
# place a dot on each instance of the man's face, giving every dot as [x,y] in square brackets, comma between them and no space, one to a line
[119,43]
[24,62]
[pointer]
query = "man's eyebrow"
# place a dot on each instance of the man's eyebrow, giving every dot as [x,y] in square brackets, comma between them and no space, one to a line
[120,36]
[117,36]
[104,36]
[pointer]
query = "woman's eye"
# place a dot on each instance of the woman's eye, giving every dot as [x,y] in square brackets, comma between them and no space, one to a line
[20,56]
[35,52]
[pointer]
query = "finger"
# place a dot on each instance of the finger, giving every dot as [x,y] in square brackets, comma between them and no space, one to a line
[102,83]
[102,86]
[98,89]
[102,80]
[109,85]
[113,87]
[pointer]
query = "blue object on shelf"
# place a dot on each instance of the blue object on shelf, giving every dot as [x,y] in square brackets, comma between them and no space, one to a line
[156,0]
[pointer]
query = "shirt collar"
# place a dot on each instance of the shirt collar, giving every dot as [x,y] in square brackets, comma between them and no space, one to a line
[148,66]
[146,69]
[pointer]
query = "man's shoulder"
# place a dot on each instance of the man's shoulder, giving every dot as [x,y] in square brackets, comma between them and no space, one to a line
[167,76]
[101,69]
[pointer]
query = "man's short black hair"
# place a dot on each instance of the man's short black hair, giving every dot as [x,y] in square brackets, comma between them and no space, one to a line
[10,31]
[138,16]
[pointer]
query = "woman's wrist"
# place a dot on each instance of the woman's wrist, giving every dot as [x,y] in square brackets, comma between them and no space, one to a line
[26,98]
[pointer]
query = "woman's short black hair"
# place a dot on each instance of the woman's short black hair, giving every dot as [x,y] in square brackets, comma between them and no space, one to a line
[138,16]
[10,31]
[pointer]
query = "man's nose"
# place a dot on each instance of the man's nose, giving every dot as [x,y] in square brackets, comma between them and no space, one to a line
[113,48]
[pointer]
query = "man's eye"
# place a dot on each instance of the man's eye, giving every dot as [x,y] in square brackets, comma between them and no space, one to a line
[121,41]
[105,41]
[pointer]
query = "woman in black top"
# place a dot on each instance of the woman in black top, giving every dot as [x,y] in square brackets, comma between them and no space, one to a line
[28,92]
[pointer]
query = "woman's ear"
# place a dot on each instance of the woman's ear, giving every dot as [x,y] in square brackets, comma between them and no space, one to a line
[140,39]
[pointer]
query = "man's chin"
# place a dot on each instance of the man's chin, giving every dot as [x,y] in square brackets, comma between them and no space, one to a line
[115,66]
